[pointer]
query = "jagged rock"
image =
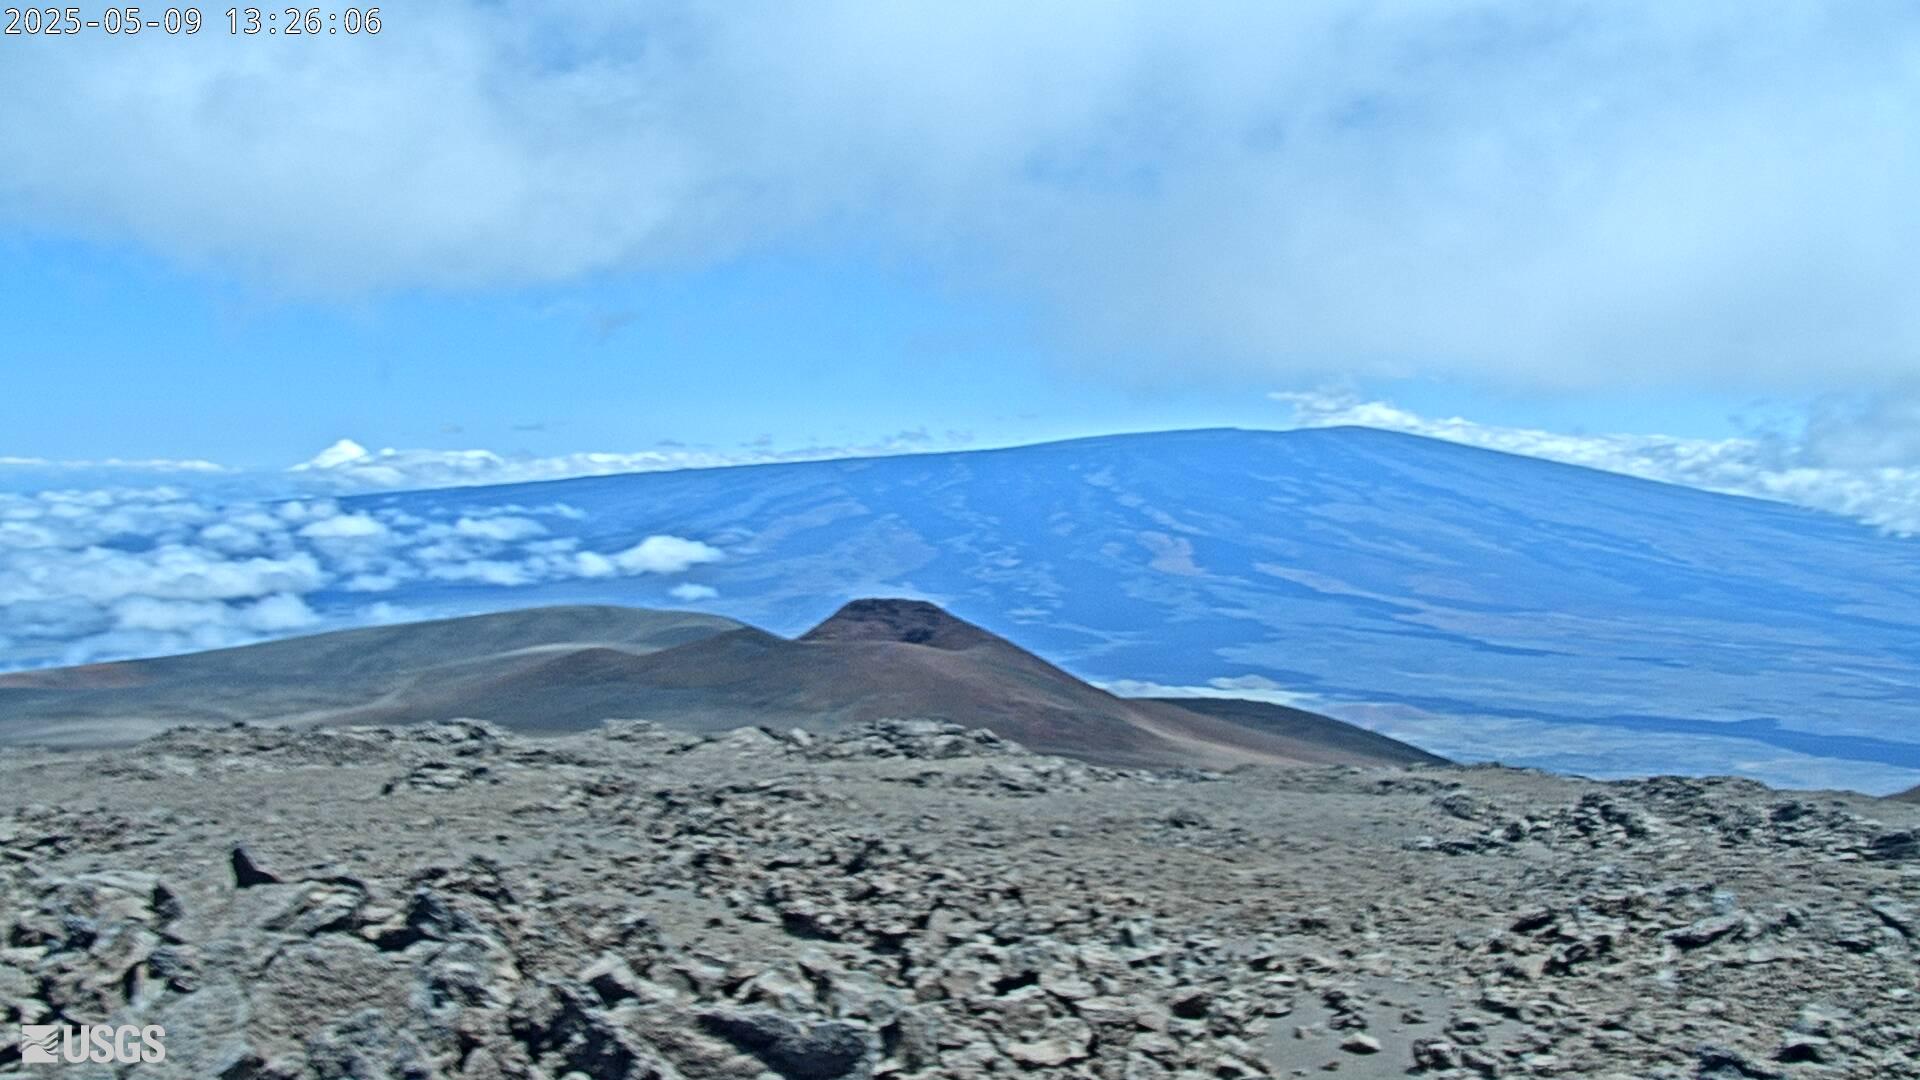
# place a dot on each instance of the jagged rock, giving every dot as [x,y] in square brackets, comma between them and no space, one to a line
[365,1046]
[1360,1044]
[1902,918]
[914,898]
[1889,847]
[822,1050]
[557,1023]
[440,776]
[321,907]
[1433,1055]
[1798,1048]
[246,873]
[1720,1063]
[1705,932]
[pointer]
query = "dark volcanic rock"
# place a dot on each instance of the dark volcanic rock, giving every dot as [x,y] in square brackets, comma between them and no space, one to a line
[913,898]
[824,1050]
[246,874]
[910,622]
[1895,845]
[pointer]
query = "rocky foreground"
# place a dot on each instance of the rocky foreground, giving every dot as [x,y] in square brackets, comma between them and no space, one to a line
[914,899]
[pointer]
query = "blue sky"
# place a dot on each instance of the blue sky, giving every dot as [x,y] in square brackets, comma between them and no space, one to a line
[176,362]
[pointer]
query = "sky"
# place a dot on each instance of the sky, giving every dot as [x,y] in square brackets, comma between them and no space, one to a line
[564,227]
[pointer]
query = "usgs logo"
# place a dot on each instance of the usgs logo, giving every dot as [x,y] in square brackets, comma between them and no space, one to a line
[128,1044]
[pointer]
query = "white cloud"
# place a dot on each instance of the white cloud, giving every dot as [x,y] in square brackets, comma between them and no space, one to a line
[591,564]
[343,452]
[1880,432]
[484,571]
[104,574]
[1633,192]
[1244,687]
[345,527]
[167,572]
[278,614]
[16,534]
[165,616]
[386,614]
[1800,470]
[232,537]
[664,555]
[690,592]
[503,529]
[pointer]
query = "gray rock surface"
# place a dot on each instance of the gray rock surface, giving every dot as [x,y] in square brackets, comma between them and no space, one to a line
[914,899]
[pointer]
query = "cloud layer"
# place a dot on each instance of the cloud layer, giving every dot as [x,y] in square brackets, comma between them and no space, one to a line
[347,466]
[94,575]
[1842,467]
[1568,194]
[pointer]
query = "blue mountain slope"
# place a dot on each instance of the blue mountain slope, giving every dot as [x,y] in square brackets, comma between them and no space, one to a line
[1481,604]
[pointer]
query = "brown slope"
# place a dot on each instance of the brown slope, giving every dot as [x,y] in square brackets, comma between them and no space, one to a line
[877,659]
[313,678]
[1911,795]
[556,669]
[748,677]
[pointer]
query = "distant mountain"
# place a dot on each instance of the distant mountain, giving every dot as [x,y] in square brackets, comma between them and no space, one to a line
[1479,604]
[571,668]
[1911,795]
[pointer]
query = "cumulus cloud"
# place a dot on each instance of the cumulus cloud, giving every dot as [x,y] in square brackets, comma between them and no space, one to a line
[690,592]
[105,574]
[664,555]
[504,529]
[345,527]
[272,614]
[1576,193]
[1807,469]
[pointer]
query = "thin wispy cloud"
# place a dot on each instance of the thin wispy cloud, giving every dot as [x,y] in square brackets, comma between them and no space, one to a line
[347,466]
[124,465]
[1805,468]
